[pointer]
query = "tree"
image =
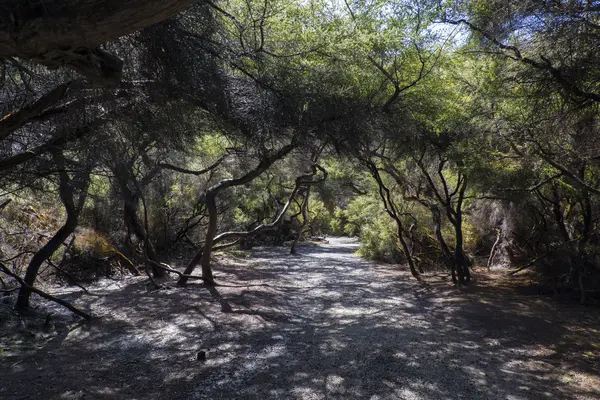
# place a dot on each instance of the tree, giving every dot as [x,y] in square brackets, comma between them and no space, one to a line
[557,48]
[72,192]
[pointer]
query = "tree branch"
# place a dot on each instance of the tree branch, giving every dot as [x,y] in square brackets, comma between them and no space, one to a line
[45,295]
[544,65]
[13,121]
[193,172]
[68,32]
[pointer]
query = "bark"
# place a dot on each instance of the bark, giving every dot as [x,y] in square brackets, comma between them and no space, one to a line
[411,237]
[437,224]
[560,221]
[454,213]
[391,209]
[189,269]
[211,232]
[586,210]
[4,204]
[235,236]
[68,32]
[494,247]
[304,211]
[193,172]
[406,250]
[66,192]
[576,246]
[42,255]
[582,298]
[462,267]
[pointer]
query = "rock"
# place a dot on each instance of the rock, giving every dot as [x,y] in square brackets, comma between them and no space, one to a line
[202,355]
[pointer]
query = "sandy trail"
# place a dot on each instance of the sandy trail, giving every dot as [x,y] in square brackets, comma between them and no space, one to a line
[322,325]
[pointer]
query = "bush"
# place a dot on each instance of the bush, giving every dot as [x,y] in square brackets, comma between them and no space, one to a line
[92,256]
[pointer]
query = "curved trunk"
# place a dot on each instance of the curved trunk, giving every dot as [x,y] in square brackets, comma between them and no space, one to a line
[407,253]
[42,255]
[67,197]
[189,269]
[211,234]
[304,221]
[455,216]
[411,236]
[494,248]
[392,211]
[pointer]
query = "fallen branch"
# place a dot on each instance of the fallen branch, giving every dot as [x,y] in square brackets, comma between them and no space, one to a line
[168,268]
[69,276]
[530,263]
[45,295]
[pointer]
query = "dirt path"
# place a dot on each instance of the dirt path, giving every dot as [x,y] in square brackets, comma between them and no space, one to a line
[327,325]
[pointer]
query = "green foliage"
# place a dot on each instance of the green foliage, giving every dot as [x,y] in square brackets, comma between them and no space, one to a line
[318,216]
[359,213]
[379,241]
[356,82]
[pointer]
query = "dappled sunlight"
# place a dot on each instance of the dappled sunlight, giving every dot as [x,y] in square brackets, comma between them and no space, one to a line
[323,324]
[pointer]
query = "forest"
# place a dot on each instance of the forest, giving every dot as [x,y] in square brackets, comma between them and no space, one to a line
[181,149]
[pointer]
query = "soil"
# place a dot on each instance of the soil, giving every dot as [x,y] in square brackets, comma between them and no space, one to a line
[324,324]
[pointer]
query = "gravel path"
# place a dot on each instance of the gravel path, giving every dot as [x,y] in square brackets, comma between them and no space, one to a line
[322,325]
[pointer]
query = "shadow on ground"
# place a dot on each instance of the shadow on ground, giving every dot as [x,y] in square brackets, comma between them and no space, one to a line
[321,325]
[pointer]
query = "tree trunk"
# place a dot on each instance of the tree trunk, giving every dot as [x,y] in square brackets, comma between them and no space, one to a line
[412,248]
[391,209]
[464,276]
[494,247]
[582,298]
[134,225]
[406,250]
[131,200]
[68,32]
[462,268]
[444,249]
[304,221]
[211,232]
[211,204]
[66,193]
[42,255]
[586,211]
[189,269]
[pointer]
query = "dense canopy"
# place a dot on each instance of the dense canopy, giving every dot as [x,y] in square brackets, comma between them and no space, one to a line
[451,137]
